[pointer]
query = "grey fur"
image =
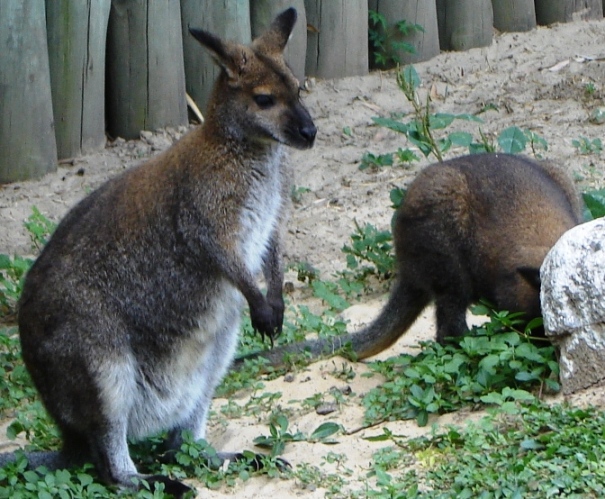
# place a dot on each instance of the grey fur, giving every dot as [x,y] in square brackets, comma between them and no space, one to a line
[130,316]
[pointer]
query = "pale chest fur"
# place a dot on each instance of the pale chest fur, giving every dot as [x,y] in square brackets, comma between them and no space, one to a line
[262,209]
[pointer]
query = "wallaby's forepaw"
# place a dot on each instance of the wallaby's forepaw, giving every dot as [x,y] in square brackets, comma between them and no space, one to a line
[268,318]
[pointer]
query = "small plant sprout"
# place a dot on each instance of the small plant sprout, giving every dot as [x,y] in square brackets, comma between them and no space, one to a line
[386,42]
[587,146]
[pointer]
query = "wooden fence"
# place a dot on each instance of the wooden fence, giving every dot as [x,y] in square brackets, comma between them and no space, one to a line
[73,71]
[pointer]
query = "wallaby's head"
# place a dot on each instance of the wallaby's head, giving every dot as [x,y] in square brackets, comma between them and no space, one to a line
[256,95]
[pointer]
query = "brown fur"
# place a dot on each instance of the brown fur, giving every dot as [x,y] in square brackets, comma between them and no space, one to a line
[472,227]
[130,316]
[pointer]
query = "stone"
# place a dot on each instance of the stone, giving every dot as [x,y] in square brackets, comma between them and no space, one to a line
[573,304]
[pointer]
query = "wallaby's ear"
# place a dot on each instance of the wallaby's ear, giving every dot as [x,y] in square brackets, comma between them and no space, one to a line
[277,35]
[224,54]
[531,275]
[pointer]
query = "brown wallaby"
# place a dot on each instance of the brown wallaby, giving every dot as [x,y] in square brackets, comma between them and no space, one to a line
[472,227]
[130,316]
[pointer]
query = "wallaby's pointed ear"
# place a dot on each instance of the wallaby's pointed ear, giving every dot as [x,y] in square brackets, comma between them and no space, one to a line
[221,52]
[275,38]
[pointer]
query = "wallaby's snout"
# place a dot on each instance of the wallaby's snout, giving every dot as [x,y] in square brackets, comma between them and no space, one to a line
[303,135]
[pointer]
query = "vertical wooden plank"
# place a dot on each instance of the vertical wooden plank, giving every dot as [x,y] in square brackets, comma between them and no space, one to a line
[514,15]
[465,24]
[337,45]
[262,12]
[76,45]
[229,19]
[27,138]
[562,11]
[421,12]
[166,67]
[145,73]
[93,101]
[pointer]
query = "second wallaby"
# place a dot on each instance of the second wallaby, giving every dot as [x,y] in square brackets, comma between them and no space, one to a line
[469,228]
[130,316]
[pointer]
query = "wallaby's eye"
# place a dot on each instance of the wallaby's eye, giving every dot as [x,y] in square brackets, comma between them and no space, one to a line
[264,101]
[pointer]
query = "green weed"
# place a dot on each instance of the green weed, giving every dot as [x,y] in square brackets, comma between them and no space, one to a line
[15,382]
[40,228]
[594,202]
[13,269]
[373,246]
[297,193]
[279,435]
[385,42]
[423,129]
[12,276]
[587,146]
[480,367]
[534,451]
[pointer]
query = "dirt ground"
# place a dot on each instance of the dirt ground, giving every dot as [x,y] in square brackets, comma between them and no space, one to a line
[549,81]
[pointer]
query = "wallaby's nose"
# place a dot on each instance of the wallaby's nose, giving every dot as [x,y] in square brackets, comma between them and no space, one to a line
[308,132]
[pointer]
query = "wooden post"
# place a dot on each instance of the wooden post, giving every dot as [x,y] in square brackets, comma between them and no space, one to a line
[27,138]
[262,12]
[563,11]
[145,74]
[464,24]
[337,43]
[77,32]
[425,43]
[229,19]
[514,15]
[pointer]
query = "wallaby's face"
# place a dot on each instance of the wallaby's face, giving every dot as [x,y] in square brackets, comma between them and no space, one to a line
[259,94]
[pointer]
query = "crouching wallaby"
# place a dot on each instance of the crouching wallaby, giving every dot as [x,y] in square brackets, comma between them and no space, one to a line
[473,227]
[130,316]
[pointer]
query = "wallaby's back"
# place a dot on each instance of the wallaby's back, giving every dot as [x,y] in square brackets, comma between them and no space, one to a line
[472,227]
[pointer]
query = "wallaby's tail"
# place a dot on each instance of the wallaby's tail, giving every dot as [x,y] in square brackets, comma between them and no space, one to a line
[395,319]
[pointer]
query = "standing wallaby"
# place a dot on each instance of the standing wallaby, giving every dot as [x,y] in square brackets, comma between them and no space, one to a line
[472,227]
[130,316]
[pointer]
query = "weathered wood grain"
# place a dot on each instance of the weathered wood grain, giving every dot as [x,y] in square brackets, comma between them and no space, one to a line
[337,46]
[77,32]
[27,138]
[145,71]
[514,15]
[465,24]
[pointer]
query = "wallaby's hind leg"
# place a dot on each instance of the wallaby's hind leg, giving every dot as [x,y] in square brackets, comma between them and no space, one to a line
[109,451]
[451,316]
[218,358]
[114,465]
[217,361]
[76,448]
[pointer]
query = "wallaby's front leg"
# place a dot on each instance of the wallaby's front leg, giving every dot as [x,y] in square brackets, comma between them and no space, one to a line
[264,319]
[273,271]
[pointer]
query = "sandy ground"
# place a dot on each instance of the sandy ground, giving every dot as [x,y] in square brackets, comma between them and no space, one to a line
[549,80]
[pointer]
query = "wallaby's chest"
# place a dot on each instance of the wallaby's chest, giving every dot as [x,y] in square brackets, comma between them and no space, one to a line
[262,209]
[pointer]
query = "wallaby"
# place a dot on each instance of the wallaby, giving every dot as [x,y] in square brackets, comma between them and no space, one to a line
[473,227]
[130,316]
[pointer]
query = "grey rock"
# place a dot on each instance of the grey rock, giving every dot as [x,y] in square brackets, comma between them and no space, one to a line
[573,304]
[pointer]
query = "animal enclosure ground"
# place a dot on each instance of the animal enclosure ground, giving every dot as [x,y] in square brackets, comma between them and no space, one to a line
[550,81]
